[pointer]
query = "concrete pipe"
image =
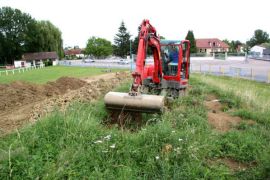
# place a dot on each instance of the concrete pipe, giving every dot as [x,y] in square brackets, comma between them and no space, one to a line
[141,103]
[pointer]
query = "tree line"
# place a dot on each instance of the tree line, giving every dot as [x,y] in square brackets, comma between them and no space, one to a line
[20,33]
[123,44]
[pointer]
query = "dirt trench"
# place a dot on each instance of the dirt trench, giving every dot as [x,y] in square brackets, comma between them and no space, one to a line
[219,120]
[22,102]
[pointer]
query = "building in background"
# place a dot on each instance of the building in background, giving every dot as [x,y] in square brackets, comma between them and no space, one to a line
[74,53]
[211,45]
[261,52]
[41,58]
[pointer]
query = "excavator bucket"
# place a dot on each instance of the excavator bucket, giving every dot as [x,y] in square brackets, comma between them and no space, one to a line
[141,103]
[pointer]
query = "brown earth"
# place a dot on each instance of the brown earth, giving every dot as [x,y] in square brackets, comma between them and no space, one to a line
[232,164]
[221,121]
[21,102]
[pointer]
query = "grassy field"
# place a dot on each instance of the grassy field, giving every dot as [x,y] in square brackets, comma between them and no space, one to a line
[254,95]
[179,144]
[52,73]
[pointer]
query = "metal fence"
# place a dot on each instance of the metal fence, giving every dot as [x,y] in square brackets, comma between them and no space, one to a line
[7,72]
[262,75]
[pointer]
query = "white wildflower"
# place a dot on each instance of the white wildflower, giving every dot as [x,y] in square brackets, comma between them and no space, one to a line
[108,137]
[180,139]
[173,131]
[112,146]
[104,151]
[98,142]
[157,157]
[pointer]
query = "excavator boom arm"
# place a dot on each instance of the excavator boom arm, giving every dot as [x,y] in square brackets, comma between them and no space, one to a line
[147,38]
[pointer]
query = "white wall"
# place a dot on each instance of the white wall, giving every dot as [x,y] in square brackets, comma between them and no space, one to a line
[17,64]
[55,62]
[257,49]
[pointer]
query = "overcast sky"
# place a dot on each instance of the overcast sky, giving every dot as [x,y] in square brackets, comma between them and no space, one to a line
[80,19]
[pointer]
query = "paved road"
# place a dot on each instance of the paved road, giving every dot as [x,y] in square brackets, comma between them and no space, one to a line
[252,69]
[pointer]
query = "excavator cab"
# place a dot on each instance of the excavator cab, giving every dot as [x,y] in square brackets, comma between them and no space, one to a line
[175,58]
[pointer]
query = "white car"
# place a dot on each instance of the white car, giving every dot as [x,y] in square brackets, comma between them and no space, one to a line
[89,60]
[123,61]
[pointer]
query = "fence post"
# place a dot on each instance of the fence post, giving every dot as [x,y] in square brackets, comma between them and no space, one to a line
[200,68]
[238,72]
[6,72]
[268,76]
[13,71]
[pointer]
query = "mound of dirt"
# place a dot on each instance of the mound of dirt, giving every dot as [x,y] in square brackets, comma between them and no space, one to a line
[19,94]
[22,102]
[89,92]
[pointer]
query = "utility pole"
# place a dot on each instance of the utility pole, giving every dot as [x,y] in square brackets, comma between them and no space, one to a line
[131,59]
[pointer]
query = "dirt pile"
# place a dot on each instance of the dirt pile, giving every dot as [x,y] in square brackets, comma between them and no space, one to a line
[19,94]
[22,102]
[89,92]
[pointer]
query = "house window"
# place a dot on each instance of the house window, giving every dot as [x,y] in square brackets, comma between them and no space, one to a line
[214,44]
[200,50]
[204,50]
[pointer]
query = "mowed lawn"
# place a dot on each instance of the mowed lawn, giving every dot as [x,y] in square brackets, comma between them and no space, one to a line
[44,75]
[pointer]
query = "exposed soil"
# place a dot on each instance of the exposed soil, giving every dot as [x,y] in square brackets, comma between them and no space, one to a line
[22,102]
[221,121]
[18,94]
[232,164]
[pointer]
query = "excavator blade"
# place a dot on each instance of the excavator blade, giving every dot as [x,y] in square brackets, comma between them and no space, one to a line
[141,103]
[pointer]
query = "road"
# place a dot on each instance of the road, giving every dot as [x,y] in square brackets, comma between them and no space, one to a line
[252,69]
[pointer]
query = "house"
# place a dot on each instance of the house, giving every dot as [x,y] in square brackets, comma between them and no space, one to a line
[74,52]
[211,45]
[40,58]
[259,51]
[240,48]
[21,63]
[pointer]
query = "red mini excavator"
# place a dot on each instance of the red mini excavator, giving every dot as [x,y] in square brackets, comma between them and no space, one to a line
[166,77]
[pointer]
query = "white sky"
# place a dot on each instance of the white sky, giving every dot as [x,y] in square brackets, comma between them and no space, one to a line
[80,19]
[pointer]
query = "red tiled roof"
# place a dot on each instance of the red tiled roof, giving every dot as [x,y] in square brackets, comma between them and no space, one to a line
[208,43]
[73,51]
[40,56]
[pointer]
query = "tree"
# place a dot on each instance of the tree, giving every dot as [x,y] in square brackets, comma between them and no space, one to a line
[44,36]
[258,38]
[135,42]
[13,29]
[191,38]
[233,45]
[98,47]
[122,41]
[20,33]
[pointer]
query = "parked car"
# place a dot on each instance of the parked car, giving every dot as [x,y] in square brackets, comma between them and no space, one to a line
[88,61]
[123,61]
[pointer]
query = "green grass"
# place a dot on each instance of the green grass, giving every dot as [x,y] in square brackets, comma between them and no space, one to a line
[255,96]
[65,145]
[52,73]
